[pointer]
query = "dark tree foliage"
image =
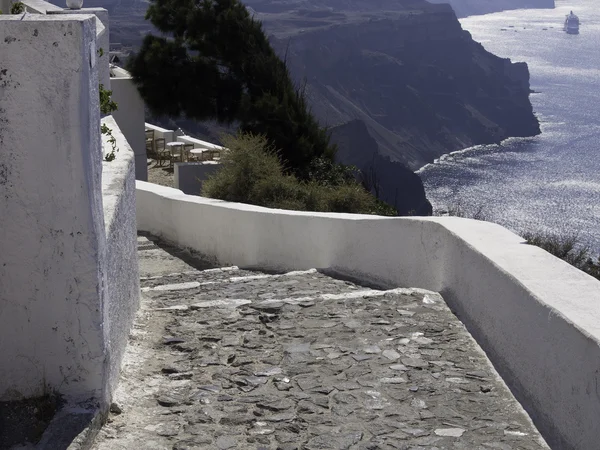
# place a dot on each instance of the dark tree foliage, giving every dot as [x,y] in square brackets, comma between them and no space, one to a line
[216,63]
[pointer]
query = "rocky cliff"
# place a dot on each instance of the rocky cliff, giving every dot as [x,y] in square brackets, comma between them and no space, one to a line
[390,181]
[419,82]
[401,72]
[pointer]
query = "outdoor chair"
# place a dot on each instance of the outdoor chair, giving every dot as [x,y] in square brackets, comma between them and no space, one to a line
[162,153]
[150,143]
[213,154]
[176,154]
[186,151]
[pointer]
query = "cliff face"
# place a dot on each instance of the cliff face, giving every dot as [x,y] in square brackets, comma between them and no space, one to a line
[390,181]
[464,8]
[402,69]
[420,83]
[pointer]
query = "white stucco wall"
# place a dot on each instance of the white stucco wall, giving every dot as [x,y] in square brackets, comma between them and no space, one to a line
[159,132]
[189,177]
[198,143]
[102,40]
[122,276]
[130,115]
[536,316]
[52,222]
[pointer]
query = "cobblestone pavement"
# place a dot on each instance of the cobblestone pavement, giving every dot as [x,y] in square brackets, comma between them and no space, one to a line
[227,358]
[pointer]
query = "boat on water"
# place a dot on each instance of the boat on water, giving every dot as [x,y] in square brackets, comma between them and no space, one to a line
[572,24]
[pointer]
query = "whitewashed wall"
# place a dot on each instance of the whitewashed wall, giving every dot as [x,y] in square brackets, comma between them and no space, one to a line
[167,135]
[69,283]
[189,177]
[102,39]
[122,275]
[198,143]
[537,317]
[53,243]
[130,115]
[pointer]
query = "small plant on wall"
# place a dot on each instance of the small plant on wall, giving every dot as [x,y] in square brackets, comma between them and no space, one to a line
[107,106]
[17,8]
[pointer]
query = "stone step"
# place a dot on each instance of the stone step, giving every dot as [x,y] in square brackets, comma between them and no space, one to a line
[154,261]
[221,274]
[212,287]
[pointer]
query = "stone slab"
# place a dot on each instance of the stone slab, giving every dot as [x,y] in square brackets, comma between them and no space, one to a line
[295,368]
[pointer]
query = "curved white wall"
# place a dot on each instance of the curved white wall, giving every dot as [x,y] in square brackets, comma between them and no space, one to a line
[130,115]
[122,275]
[536,316]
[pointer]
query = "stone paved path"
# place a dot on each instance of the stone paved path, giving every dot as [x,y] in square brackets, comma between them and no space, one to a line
[232,359]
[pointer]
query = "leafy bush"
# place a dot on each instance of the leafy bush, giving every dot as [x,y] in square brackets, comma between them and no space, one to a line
[17,8]
[325,171]
[219,65]
[107,106]
[252,173]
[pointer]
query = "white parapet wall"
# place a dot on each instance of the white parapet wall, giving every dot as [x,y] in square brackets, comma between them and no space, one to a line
[52,241]
[130,116]
[122,275]
[190,177]
[102,39]
[167,135]
[198,143]
[537,317]
[68,267]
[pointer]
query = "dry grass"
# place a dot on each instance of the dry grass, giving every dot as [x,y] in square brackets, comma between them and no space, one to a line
[160,175]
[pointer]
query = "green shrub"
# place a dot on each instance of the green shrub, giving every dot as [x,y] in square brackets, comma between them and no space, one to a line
[251,172]
[248,162]
[325,171]
[17,8]
[593,267]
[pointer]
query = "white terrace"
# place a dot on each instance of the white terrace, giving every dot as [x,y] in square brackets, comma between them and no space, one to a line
[69,285]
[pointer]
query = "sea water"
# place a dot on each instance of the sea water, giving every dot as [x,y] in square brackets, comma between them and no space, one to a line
[551,182]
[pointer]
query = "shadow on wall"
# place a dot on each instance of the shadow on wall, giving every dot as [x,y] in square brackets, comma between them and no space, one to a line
[390,181]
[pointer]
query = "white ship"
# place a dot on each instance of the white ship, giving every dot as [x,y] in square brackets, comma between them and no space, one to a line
[572,24]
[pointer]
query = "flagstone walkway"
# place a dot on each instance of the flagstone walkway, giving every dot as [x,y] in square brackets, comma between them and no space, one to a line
[223,358]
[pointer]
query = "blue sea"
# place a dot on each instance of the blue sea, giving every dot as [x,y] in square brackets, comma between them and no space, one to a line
[551,182]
